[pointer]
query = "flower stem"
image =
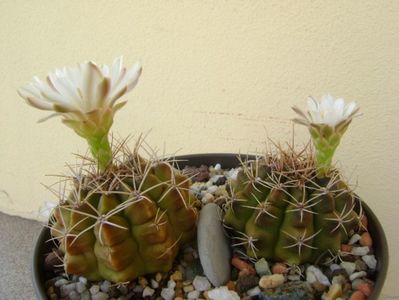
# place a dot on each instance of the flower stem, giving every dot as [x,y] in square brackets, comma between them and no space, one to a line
[101,150]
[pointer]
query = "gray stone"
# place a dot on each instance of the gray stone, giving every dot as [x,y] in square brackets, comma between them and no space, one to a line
[80,287]
[262,267]
[105,285]
[66,289]
[94,289]
[289,291]
[100,296]
[213,245]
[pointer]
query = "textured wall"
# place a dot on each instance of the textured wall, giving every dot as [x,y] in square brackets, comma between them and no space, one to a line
[218,76]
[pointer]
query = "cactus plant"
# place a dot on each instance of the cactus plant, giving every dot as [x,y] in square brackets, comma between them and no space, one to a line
[124,215]
[128,221]
[292,207]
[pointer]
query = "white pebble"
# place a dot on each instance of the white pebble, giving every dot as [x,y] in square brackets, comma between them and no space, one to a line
[201,283]
[60,282]
[223,293]
[349,267]
[354,239]
[83,280]
[357,275]
[370,261]
[212,189]
[193,295]
[254,292]
[271,281]
[360,251]
[218,167]
[154,284]
[334,267]
[148,291]
[171,284]
[207,198]
[167,293]
[320,277]
[94,289]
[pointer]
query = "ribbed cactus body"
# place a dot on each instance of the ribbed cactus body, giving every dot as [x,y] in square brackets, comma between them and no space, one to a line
[281,211]
[127,224]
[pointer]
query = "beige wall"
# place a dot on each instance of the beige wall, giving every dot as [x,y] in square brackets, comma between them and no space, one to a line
[217,76]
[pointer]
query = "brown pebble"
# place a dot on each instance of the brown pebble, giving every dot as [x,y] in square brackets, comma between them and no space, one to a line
[53,260]
[53,297]
[319,287]
[279,268]
[365,288]
[176,276]
[231,285]
[188,257]
[357,296]
[179,293]
[366,240]
[346,248]
[179,284]
[242,265]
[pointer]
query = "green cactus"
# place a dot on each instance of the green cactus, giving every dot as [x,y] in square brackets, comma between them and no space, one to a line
[127,221]
[281,210]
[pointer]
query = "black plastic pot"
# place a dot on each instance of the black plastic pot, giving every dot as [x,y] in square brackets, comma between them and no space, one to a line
[227,160]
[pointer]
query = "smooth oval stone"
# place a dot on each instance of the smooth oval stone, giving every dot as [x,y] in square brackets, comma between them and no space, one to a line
[213,245]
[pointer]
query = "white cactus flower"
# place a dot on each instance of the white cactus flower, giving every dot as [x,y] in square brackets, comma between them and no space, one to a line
[86,92]
[85,97]
[328,111]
